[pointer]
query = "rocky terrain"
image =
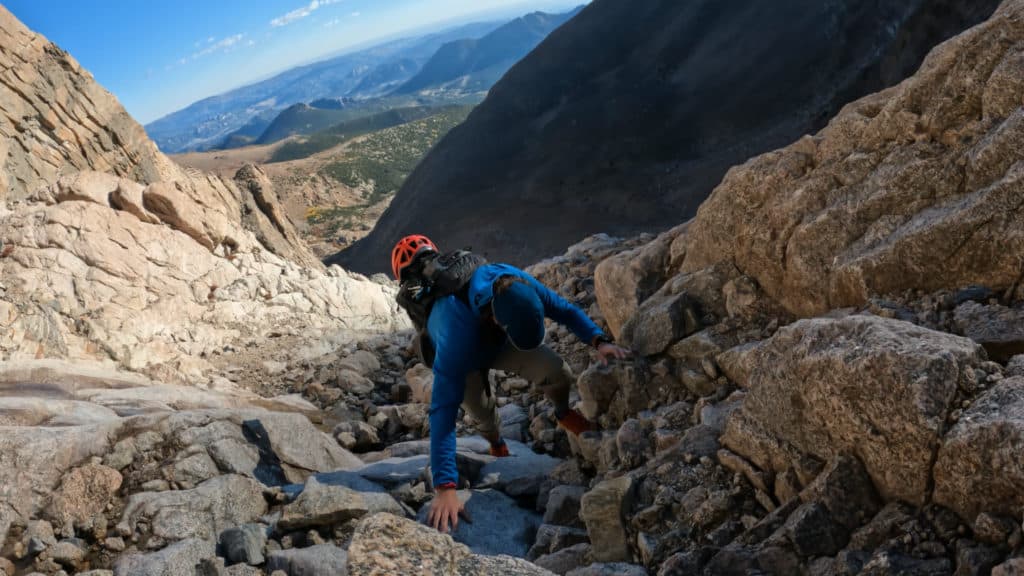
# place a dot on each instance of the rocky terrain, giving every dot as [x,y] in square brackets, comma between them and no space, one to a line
[827,379]
[335,184]
[631,135]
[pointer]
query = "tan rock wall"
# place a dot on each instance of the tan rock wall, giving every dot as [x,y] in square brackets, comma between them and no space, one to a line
[920,186]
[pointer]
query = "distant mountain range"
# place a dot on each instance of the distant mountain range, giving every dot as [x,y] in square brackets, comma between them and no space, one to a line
[456,66]
[208,122]
[475,64]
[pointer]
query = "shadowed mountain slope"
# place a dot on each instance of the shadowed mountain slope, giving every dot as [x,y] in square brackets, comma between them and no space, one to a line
[627,116]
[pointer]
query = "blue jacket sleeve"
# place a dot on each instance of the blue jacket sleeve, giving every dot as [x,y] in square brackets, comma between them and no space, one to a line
[565,313]
[442,438]
[453,328]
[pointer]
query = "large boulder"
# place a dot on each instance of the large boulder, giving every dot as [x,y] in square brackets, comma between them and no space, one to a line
[322,505]
[998,328]
[384,544]
[35,459]
[300,447]
[202,512]
[877,388]
[624,281]
[178,559]
[319,560]
[499,525]
[83,495]
[915,187]
[979,468]
[520,474]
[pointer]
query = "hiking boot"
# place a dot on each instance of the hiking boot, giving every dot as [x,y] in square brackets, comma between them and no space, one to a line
[500,450]
[574,423]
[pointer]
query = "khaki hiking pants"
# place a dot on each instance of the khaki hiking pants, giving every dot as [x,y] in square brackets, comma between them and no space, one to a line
[543,367]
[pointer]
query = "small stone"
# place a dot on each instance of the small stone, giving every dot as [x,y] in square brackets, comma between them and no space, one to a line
[157,485]
[194,469]
[563,506]
[647,545]
[992,529]
[566,559]
[36,546]
[114,544]
[66,553]
[357,436]
[631,443]
[740,465]
[244,544]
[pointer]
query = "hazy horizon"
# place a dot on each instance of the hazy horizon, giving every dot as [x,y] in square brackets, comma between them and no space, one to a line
[173,56]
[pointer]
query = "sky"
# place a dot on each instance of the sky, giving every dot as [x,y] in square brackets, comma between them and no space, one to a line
[158,56]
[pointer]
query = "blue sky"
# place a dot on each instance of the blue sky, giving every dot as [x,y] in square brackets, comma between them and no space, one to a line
[158,56]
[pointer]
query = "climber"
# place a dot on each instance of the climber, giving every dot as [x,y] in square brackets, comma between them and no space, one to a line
[487,316]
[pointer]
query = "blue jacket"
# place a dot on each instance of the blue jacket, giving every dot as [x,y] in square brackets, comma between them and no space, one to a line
[460,349]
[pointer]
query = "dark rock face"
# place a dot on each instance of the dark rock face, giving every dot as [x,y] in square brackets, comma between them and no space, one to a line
[626,117]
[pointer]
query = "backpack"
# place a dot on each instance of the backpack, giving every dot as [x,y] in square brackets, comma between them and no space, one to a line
[427,280]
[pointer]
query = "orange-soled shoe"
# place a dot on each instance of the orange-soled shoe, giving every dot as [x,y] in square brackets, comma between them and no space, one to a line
[574,422]
[500,450]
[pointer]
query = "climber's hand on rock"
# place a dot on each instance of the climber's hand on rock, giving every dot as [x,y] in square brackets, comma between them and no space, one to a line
[607,351]
[446,508]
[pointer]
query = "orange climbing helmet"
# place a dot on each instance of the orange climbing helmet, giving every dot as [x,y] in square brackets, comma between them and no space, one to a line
[406,250]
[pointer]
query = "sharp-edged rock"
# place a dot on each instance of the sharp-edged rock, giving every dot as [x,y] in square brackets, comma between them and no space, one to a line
[178,559]
[881,389]
[318,560]
[604,510]
[202,512]
[978,467]
[384,545]
[244,544]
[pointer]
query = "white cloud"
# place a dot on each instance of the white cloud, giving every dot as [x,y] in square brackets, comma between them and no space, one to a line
[332,23]
[300,13]
[250,43]
[218,46]
[212,46]
[356,14]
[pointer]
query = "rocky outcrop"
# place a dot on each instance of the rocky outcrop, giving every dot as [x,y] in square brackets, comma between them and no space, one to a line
[262,213]
[203,512]
[88,282]
[115,255]
[881,389]
[916,187]
[56,119]
[978,467]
